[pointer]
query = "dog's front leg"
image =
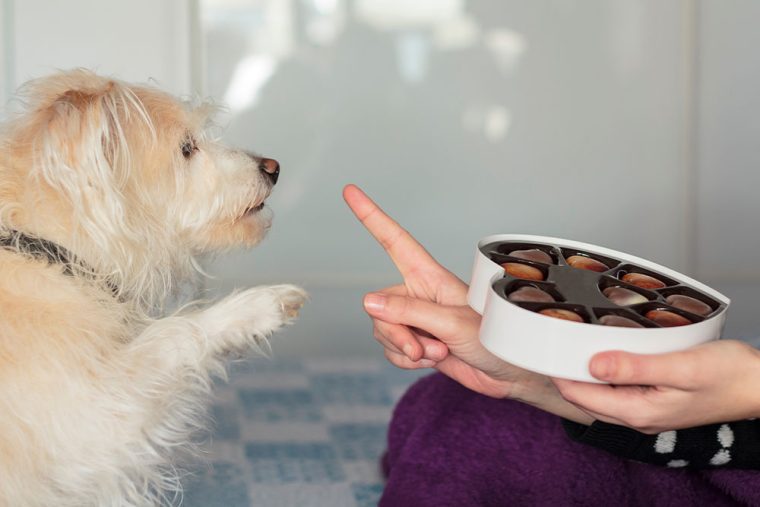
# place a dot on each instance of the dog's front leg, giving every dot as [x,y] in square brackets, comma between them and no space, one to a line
[237,324]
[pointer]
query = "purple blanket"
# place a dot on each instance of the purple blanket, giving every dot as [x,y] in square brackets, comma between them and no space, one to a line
[448,446]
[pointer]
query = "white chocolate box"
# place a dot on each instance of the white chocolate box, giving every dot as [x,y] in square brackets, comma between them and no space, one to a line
[562,348]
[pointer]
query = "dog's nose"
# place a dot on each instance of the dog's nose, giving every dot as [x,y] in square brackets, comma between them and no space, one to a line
[271,168]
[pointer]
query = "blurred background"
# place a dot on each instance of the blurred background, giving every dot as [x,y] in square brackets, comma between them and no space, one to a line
[632,124]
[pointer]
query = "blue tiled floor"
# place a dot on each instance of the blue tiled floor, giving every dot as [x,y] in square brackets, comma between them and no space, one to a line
[298,433]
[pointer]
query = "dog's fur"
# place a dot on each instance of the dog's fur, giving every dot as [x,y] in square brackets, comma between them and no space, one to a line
[97,390]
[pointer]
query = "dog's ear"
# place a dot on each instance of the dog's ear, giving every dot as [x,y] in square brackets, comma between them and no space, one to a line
[82,149]
[84,134]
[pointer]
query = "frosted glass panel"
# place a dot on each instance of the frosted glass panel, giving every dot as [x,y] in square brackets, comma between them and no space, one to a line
[463,118]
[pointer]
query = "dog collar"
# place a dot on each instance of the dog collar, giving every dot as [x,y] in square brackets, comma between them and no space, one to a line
[43,249]
[39,249]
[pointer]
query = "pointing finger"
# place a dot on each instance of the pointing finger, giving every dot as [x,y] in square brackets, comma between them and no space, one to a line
[405,252]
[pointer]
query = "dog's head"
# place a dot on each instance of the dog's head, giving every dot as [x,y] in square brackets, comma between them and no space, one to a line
[126,176]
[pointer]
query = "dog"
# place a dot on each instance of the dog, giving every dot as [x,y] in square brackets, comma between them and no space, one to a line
[109,194]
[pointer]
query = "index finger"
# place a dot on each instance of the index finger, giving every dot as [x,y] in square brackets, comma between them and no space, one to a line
[405,252]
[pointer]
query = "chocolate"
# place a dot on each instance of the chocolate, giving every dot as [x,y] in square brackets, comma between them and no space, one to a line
[561,313]
[579,285]
[689,304]
[643,281]
[624,297]
[530,294]
[534,254]
[587,263]
[618,321]
[523,271]
[667,319]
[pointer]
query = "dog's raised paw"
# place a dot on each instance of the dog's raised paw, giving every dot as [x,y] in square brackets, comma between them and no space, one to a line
[291,300]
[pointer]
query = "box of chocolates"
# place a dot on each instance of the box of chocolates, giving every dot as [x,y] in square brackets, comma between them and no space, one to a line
[550,304]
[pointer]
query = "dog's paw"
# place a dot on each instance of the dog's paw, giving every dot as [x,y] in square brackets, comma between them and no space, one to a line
[291,300]
[255,312]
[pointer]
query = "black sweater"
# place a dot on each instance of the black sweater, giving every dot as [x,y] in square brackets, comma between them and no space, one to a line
[726,445]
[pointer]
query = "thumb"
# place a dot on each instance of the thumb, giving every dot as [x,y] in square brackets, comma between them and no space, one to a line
[673,369]
[443,322]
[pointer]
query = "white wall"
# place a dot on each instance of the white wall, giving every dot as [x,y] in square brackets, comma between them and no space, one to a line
[729,140]
[4,36]
[587,119]
[136,40]
[728,157]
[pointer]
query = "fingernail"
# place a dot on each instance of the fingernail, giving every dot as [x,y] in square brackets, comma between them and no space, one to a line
[426,363]
[601,367]
[374,302]
[408,349]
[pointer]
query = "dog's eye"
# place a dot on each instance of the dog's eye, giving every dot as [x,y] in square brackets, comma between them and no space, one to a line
[188,147]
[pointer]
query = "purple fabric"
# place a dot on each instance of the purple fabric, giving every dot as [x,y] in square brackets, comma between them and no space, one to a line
[448,446]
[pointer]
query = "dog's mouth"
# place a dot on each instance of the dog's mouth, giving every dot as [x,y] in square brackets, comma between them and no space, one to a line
[254,209]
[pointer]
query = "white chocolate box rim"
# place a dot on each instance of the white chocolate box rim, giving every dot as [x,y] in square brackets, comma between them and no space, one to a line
[563,348]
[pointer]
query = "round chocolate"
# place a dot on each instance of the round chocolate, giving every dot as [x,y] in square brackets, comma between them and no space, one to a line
[587,263]
[624,297]
[523,271]
[689,304]
[529,294]
[618,321]
[561,313]
[666,318]
[534,254]
[643,281]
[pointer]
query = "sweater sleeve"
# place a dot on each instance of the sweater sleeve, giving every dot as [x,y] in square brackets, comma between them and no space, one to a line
[727,445]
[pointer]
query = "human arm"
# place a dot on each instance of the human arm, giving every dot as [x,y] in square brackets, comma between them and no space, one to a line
[690,408]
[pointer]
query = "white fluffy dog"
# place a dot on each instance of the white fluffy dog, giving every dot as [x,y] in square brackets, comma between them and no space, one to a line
[108,193]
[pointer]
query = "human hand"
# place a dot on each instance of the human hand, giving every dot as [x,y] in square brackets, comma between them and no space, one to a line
[426,322]
[423,278]
[714,382]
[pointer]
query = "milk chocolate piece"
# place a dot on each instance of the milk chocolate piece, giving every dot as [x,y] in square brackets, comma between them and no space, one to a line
[561,313]
[666,318]
[587,263]
[529,294]
[523,271]
[643,281]
[533,254]
[624,297]
[618,321]
[689,304]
